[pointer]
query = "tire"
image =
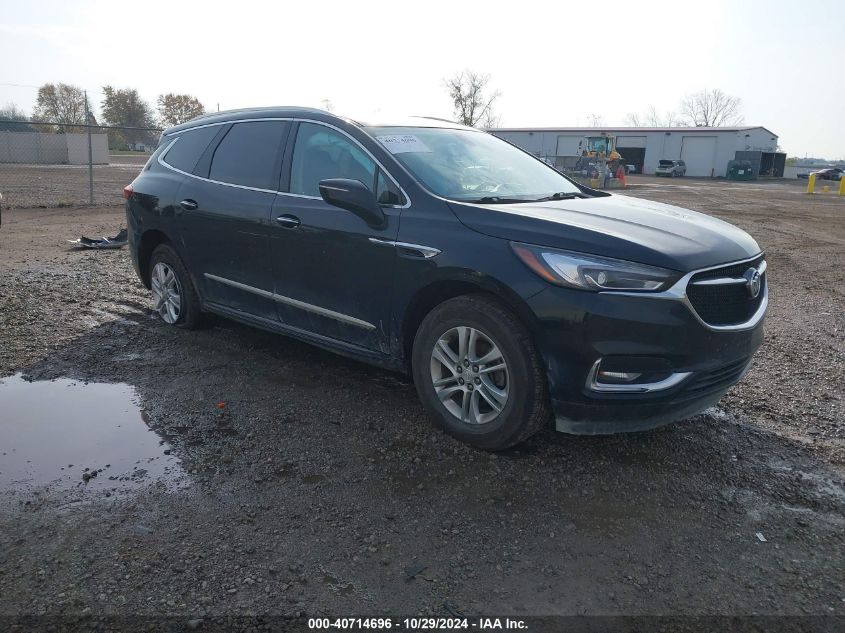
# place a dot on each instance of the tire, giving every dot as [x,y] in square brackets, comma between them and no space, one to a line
[525,408]
[184,313]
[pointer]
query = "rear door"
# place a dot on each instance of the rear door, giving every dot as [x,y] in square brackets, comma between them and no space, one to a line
[333,272]
[225,216]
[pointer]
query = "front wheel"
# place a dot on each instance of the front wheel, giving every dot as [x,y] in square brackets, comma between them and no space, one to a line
[478,373]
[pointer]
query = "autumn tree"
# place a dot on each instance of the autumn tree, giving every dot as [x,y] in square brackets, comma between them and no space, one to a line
[471,99]
[60,104]
[174,109]
[124,107]
[711,108]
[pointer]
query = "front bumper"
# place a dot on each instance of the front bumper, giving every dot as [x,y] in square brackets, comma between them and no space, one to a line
[579,328]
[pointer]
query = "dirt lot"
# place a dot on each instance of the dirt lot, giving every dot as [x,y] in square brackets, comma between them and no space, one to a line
[319,487]
[25,186]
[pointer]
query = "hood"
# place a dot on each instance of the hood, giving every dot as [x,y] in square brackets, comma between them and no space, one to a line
[615,226]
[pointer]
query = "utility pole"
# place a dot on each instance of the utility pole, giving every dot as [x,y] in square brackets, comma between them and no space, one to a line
[88,118]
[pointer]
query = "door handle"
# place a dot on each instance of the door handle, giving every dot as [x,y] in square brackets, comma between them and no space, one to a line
[288,221]
[188,204]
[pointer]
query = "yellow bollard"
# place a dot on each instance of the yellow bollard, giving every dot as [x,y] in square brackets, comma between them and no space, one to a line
[826,188]
[842,186]
[811,183]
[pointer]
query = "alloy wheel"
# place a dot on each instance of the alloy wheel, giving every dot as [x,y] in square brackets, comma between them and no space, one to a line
[470,375]
[167,293]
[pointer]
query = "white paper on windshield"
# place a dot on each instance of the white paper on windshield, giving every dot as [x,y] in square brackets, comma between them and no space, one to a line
[402,143]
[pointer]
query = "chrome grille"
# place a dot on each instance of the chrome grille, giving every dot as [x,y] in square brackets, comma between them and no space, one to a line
[720,297]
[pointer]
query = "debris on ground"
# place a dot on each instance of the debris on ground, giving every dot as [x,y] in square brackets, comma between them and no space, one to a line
[118,241]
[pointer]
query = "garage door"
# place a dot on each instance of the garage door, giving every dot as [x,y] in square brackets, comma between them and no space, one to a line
[568,145]
[699,153]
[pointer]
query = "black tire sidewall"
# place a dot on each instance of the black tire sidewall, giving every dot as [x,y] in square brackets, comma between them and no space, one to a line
[511,421]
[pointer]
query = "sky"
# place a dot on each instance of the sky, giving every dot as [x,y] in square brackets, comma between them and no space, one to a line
[555,63]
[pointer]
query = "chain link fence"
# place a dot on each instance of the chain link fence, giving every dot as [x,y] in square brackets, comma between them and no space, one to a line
[52,165]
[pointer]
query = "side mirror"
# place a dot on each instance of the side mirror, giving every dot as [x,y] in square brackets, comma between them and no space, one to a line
[355,196]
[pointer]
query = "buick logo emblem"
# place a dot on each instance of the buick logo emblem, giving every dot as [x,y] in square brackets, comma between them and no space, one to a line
[752,282]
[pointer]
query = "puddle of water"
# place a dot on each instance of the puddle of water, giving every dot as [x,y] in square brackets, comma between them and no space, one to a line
[66,433]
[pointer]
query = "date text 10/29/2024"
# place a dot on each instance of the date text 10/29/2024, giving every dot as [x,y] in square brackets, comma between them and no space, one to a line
[417,624]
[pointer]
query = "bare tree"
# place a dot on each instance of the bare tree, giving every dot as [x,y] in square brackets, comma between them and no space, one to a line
[633,119]
[472,102]
[9,114]
[61,104]
[596,120]
[711,108]
[652,118]
[327,104]
[174,109]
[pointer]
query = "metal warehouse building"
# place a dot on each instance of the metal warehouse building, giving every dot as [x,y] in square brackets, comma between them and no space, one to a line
[705,150]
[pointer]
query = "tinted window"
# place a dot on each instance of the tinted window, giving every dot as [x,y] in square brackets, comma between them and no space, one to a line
[189,147]
[321,152]
[249,153]
[386,191]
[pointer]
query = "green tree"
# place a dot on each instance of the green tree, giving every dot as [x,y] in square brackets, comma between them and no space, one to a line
[174,109]
[124,107]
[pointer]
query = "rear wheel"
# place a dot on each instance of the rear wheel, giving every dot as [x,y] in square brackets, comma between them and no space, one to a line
[174,297]
[478,373]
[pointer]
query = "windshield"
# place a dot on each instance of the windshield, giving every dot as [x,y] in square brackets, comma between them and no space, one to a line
[467,165]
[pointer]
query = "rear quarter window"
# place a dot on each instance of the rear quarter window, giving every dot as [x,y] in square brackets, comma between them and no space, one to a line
[188,148]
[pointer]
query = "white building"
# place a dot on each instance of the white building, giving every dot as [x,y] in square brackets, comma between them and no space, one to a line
[705,150]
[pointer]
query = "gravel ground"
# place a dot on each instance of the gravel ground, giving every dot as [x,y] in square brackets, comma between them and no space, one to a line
[26,186]
[320,487]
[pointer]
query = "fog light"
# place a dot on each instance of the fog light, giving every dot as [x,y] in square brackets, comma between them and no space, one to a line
[655,374]
[619,376]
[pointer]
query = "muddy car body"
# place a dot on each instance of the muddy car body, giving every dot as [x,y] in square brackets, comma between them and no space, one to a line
[511,294]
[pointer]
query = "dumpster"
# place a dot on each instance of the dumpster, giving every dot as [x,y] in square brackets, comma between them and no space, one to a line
[740,170]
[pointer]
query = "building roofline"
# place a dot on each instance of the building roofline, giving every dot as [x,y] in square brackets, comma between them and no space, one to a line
[623,128]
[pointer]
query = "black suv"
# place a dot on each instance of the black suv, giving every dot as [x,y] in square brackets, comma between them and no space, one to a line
[510,293]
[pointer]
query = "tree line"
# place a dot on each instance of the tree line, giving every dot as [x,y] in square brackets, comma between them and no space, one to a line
[61,108]
[473,103]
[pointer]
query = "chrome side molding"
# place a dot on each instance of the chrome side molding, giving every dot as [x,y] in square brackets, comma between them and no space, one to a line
[337,316]
[416,250]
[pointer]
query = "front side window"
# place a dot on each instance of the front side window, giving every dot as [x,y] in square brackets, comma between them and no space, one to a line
[188,148]
[249,154]
[468,165]
[320,153]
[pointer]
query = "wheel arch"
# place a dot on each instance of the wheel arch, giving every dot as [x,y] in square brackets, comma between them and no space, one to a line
[149,241]
[426,298]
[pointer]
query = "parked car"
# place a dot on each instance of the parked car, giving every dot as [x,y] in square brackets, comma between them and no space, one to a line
[511,294]
[829,173]
[671,168]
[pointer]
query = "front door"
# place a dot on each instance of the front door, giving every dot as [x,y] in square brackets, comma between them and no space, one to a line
[333,272]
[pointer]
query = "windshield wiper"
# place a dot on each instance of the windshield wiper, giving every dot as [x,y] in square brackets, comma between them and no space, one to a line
[497,200]
[560,195]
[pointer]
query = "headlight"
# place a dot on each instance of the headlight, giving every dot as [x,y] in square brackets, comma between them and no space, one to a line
[589,272]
